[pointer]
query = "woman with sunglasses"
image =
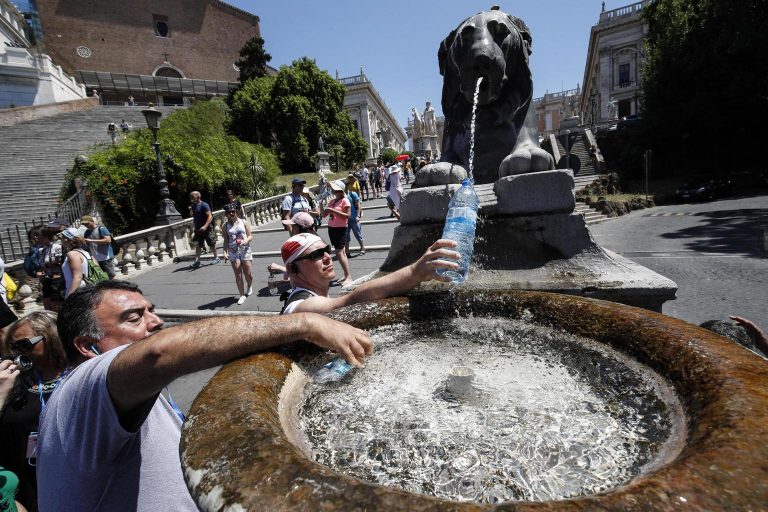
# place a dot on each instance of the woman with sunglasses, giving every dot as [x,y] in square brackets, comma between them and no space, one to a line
[238,252]
[35,337]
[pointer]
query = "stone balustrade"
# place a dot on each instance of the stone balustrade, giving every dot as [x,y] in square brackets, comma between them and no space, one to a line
[160,244]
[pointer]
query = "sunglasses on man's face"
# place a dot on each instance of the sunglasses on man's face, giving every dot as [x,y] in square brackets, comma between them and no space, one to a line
[317,254]
[25,344]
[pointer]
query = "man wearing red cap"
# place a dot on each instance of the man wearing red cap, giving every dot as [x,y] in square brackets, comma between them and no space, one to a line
[310,269]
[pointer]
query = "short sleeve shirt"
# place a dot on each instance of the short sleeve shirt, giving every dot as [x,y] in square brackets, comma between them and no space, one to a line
[295,203]
[354,200]
[338,204]
[200,213]
[102,252]
[88,461]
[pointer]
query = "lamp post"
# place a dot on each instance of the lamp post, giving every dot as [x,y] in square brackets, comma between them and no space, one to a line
[568,149]
[167,213]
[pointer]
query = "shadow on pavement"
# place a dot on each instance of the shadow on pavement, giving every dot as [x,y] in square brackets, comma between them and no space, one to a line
[726,231]
[219,303]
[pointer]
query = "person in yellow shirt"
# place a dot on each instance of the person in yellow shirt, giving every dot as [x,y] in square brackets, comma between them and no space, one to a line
[353,185]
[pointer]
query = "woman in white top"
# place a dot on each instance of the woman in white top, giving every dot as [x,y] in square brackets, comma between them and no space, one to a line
[395,191]
[75,266]
[238,252]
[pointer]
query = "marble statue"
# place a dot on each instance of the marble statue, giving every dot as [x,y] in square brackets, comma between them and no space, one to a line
[428,124]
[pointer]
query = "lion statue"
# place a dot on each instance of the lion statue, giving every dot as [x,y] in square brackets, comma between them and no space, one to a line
[495,46]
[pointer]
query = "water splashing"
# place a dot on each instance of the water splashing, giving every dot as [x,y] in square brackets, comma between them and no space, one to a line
[472,131]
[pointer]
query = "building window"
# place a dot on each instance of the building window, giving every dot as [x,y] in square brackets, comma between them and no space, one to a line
[83,51]
[623,75]
[161,26]
[625,108]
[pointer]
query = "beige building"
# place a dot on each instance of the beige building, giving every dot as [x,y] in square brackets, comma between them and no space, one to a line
[552,108]
[614,65]
[371,116]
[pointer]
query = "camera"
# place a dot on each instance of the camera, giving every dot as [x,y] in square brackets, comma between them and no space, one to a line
[21,361]
[18,398]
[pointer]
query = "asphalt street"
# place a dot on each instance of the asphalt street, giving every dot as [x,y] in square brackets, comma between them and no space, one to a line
[713,251]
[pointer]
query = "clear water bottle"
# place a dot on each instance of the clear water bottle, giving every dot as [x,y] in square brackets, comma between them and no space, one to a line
[332,371]
[460,226]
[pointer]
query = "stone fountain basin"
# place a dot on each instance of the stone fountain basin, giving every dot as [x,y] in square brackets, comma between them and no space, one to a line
[239,448]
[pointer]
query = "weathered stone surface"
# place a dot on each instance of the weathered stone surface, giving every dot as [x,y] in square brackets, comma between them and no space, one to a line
[428,204]
[240,451]
[440,173]
[538,192]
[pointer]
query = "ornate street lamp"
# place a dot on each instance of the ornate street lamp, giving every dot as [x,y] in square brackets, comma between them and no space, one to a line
[167,213]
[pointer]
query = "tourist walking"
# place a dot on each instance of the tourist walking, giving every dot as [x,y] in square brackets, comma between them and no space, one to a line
[338,212]
[112,132]
[363,179]
[353,224]
[203,223]
[239,236]
[234,201]
[294,202]
[99,239]
[75,266]
[352,185]
[395,191]
[376,177]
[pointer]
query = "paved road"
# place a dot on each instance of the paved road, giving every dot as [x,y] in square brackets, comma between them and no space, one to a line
[713,251]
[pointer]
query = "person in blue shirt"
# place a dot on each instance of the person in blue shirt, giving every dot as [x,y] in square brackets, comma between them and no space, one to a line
[295,202]
[354,222]
[203,223]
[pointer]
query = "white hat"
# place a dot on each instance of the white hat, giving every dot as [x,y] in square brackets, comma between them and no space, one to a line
[338,186]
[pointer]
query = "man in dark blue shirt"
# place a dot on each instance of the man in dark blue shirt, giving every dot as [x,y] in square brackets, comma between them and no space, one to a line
[203,220]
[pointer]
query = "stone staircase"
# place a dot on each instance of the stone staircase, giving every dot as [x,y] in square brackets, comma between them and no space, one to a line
[35,156]
[591,216]
[586,173]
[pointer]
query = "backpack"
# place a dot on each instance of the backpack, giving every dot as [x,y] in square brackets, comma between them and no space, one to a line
[113,244]
[95,273]
[10,286]
[32,262]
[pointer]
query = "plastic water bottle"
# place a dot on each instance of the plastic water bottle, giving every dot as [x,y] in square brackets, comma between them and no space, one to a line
[332,372]
[460,226]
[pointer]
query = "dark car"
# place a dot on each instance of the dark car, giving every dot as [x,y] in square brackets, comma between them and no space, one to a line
[628,121]
[703,191]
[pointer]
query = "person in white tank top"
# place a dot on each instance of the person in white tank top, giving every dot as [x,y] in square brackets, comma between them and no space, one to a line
[238,251]
[75,266]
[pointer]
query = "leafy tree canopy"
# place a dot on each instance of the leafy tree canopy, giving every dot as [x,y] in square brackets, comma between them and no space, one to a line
[291,111]
[253,59]
[705,83]
[197,155]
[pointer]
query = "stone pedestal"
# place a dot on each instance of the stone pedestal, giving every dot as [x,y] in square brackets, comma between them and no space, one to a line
[528,238]
[323,161]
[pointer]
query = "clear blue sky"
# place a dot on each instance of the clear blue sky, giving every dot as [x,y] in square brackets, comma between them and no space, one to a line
[396,41]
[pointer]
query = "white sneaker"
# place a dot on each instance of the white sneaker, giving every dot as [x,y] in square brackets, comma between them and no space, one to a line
[241,300]
[249,292]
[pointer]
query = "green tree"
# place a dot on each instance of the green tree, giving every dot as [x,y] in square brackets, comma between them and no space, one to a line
[198,155]
[291,111]
[253,59]
[704,90]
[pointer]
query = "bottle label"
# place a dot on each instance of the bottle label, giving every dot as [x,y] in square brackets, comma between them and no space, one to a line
[465,213]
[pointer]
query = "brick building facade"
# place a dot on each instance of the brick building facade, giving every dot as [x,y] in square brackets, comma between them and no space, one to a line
[196,39]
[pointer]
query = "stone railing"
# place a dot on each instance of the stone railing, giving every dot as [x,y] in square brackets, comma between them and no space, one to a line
[623,11]
[159,244]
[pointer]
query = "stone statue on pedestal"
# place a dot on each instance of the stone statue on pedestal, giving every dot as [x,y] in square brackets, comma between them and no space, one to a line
[429,126]
[417,123]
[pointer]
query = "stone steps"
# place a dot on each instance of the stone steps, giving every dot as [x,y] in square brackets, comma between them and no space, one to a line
[37,154]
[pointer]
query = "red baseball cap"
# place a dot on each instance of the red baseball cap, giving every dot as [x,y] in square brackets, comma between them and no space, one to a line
[294,246]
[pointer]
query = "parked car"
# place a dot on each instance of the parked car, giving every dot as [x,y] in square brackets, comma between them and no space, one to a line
[703,191]
[628,121]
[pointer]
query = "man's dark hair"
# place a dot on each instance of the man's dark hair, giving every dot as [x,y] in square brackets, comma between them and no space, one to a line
[76,317]
[731,331]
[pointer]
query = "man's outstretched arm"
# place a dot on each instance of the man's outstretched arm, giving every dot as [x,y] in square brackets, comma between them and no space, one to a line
[141,370]
[394,284]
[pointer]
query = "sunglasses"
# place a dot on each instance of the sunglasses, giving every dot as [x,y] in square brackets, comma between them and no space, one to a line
[25,344]
[317,254]
[231,212]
